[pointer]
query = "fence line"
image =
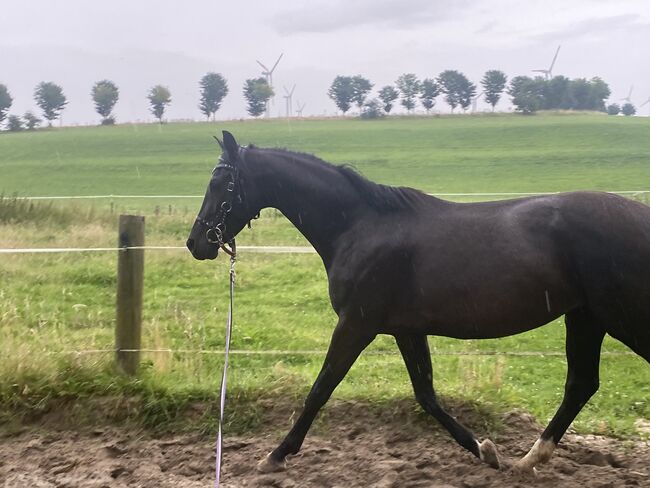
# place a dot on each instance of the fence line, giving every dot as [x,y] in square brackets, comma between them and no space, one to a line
[478,194]
[251,249]
[280,352]
[100,197]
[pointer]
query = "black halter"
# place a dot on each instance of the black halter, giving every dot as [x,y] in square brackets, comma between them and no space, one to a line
[217,226]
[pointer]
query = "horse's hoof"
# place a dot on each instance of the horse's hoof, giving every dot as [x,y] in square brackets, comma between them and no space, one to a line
[489,454]
[268,465]
[525,470]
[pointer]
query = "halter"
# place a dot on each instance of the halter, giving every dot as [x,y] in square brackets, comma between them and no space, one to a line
[217,226]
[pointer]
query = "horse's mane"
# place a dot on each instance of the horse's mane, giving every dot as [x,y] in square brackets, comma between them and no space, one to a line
[378,196]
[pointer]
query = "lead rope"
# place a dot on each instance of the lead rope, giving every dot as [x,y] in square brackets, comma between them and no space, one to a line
[224,377]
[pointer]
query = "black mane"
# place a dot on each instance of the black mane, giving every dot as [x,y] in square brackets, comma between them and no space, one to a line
[378,196]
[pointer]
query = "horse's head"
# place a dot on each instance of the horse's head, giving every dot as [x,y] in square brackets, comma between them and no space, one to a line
[225,209]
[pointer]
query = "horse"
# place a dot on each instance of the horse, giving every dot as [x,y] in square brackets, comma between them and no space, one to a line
[403,263]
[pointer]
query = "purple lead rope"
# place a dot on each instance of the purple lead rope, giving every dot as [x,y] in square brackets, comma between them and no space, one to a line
[224,377]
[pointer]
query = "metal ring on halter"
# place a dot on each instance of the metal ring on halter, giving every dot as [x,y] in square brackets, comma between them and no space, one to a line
[217,233]
[226,206]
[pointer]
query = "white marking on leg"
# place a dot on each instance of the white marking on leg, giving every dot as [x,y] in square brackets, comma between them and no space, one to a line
[548,301]
[540,453]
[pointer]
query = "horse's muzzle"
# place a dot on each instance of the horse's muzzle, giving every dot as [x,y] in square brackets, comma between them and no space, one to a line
[202,252]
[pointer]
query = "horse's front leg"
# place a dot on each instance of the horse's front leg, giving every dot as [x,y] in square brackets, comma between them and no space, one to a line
[415,351]
[348,340]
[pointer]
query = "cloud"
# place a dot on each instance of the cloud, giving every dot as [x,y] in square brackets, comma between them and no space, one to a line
[594,28]
[342,14]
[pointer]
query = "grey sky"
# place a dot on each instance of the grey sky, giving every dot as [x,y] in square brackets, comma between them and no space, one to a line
[141,43]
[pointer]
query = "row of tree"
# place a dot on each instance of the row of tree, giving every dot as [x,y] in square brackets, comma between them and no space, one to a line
[51,100]
[559,93]
[528,94]
[456,88]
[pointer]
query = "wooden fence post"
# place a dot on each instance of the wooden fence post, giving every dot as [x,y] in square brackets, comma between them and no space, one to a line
[130,284]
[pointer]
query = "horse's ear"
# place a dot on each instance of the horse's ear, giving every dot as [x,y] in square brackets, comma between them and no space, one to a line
[219,141]
[231,146]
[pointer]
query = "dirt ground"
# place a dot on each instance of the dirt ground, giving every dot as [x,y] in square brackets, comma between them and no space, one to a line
[352,446]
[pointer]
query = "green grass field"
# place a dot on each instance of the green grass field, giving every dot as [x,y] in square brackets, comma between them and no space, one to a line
[52,305]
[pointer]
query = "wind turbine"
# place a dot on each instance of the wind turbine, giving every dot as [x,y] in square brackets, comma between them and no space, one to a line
[647,102]
[288,99]
[301,107]
[628,99]
[268,74]
[475,100]
[548,73]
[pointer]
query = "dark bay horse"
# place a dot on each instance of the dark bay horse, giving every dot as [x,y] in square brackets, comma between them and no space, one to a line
[403,263]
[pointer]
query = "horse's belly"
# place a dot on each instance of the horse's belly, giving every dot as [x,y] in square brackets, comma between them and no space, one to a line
[488,311]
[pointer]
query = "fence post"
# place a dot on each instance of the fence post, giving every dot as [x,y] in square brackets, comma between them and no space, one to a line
[130,283]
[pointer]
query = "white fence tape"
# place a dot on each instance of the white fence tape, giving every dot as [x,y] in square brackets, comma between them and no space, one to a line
[251,249]
[482,194]
[280,352]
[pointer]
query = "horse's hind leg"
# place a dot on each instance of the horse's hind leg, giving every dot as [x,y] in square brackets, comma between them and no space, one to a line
[584,338]
[347,343]
[415,351]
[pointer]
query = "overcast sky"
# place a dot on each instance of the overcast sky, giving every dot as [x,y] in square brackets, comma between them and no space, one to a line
[140,43]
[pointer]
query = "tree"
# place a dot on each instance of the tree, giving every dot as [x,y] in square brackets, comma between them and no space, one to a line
[360,88]
[342,92]
[214,89]
[409,87]
[458,90]
[51,100]
[598,93]
[628,109]
[257,93]
[388,95]
[580,94]
[466,93]
[430,90]
[372,109]
[159,98]
[105,95]
[31,120]
[5,102]
[561,93]
[14,123]
[527,93]
[558,94]
[449,82]
[613,109]
[493,83]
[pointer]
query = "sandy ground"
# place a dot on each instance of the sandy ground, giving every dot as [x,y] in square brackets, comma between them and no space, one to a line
[351,447]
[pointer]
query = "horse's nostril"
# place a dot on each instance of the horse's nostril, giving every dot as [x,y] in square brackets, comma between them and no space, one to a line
[190,244]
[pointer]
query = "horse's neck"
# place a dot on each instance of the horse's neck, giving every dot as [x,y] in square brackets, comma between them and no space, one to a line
[318,200]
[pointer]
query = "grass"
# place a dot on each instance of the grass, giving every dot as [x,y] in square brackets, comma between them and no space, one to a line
[51,305]
[435,154]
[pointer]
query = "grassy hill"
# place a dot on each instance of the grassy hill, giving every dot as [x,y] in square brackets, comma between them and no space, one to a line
[452,154]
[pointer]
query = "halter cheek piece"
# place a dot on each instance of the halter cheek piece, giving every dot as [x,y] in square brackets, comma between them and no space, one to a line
[217,226]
